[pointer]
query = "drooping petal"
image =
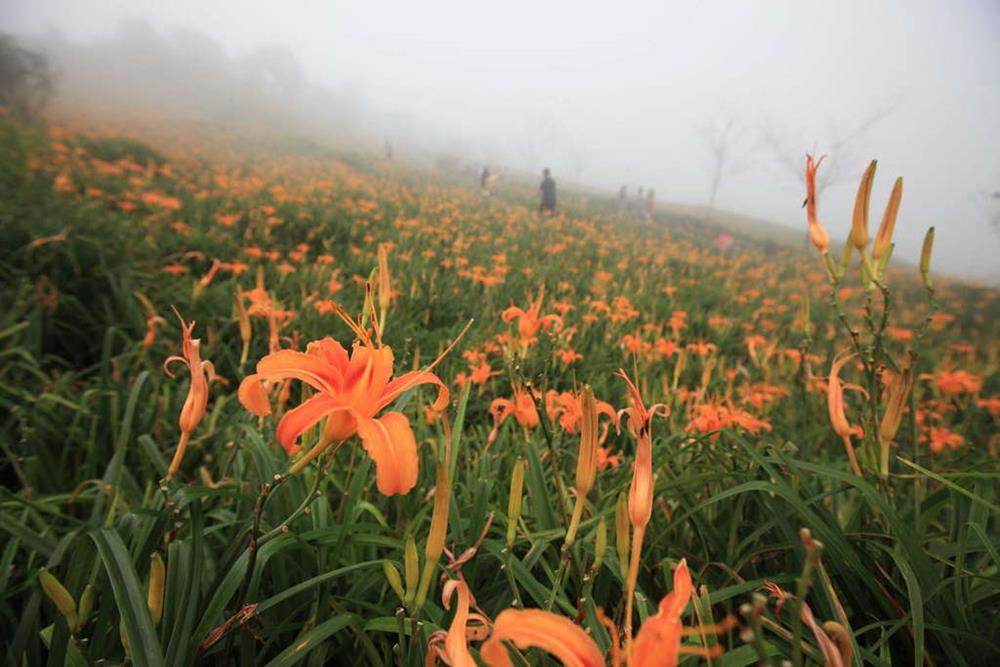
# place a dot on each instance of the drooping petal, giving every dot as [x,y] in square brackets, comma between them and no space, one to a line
[389,441]
[305,416]
[308,368]
[253,396]
[511,313]
[534,628]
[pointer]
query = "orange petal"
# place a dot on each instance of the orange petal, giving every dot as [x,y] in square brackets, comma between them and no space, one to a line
[659,640]
[407,381]
[253,396]
[512,312]
[456,644]
[301,418]
[390,443]
[534,628]
[308,368]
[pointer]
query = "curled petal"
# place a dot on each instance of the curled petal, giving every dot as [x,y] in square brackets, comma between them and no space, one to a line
[389,441]
[253,396]
[407,381]
[534,628]
[512,313]
[169,360]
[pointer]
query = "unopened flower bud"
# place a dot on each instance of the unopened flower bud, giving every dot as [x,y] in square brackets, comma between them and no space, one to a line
[395,582]
[61,597]
[925,258]
[154,597]
[411,569]
[514,500]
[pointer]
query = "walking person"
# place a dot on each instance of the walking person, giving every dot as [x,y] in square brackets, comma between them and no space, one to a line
[548,189]
[650,205]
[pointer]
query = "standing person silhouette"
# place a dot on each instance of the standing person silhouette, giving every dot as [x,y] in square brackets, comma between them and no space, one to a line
[548,189]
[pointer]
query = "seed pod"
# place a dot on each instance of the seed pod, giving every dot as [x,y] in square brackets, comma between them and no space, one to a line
[514,500]
[392,576]
[154,597]
[61,597]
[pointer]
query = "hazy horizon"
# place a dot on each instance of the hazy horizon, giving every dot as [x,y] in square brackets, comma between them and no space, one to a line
[611,95]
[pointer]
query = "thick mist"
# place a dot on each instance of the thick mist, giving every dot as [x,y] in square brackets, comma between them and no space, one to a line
[706,102]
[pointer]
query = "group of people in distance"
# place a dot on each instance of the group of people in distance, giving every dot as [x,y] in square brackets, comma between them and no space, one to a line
[643,205]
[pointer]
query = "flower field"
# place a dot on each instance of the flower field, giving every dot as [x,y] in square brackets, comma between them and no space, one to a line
[262,403]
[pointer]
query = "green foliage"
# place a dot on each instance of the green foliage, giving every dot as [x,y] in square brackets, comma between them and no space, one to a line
[266,568]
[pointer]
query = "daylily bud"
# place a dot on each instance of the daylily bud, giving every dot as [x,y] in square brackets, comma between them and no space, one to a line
[883,238]
[86,605]
[600,544]
[898,396]
[61,597]
[883,262]
[154,596]
[622,533]
[925,258]
[392,576]
[246,331]
[436,534]
[586,463]
[514,500]
[411,569]
[384,285]
[859,225]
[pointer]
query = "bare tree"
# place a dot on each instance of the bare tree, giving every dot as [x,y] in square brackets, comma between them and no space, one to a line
[26,82]
[725,139]
[842,150]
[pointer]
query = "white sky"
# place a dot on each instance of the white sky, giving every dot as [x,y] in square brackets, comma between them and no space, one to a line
[626,86]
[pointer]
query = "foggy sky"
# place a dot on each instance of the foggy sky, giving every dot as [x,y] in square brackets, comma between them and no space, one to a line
[620,93]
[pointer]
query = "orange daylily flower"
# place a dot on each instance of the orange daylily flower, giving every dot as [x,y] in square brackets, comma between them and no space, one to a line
[351,391]
[658,643]
[202,374]
[567,408]
[530,321]
[522,408]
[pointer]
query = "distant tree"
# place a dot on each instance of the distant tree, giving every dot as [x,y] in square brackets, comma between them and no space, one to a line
[26,82]
[725,139]
[843,160]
